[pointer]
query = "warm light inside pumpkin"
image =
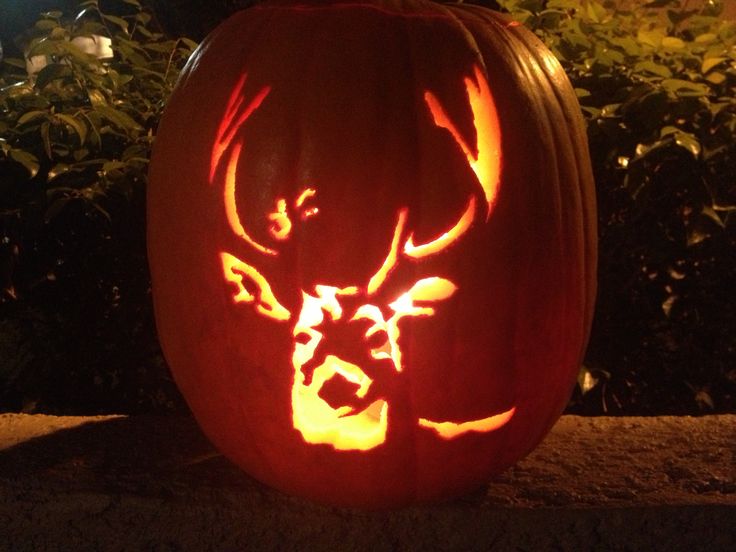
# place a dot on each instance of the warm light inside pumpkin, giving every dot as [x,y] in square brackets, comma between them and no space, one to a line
[486,159]
[451,430]
[232,120]
[231,208]
[342,428]
[349,427]
[313,417]
[444,240]
[379,277]
[240,273]
[281,223]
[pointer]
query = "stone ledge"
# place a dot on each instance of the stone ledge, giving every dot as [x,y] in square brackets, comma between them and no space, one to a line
[154,483]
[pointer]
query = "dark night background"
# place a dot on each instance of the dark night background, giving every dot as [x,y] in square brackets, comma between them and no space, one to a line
[77,333]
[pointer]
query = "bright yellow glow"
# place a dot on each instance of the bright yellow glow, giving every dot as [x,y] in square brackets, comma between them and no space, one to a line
[432,289]
[312,416]
[299,203]
[231,208]
[236,272]
[451,430]
[426,290]
[341,427]
[349,427]
[281,227]
[486,159]
[232,120]
[444,240]
[305,195]
[379,277]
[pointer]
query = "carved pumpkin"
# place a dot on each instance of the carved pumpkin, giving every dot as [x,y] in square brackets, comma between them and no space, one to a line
[372,245]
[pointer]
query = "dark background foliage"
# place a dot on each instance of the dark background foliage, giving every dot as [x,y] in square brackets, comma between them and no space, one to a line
[656,83]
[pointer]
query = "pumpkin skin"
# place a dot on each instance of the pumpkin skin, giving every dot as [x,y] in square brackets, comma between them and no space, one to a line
[300,150]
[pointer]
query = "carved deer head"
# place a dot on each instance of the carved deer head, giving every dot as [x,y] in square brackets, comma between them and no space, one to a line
[354,312]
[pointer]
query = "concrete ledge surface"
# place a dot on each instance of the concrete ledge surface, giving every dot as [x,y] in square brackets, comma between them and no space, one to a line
[155,483]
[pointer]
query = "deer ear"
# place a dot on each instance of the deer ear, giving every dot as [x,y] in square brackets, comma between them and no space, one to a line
[252,287]
[432,289]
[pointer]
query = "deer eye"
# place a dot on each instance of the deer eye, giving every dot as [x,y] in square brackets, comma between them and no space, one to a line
[306,211]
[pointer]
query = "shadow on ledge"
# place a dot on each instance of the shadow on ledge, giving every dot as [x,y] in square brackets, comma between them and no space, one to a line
[144,483]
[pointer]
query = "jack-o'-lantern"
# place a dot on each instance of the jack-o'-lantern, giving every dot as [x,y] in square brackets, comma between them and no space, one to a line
[372,244]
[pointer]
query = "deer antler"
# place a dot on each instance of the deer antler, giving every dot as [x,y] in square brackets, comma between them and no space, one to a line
[484,159]
[233,119]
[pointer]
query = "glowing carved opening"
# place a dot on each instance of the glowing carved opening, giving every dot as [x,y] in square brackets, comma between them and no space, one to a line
[319,423]
[232,120]
[446,239]
[299,203]
[425,290]
[238,273]
[451,430]
[486,159]
[231,209]
[348,427]
[281,227]
[379,277]
[313,417]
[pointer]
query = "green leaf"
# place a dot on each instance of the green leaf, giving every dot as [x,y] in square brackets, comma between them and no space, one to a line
[705,38]
[651,38]
[710,63]
[659,3]
[611,110]
[44,47]
[46,25]
[565,4]
[79,127]
[143,18]
[713,215]
[678,16]
[28,160]
[695,235]
[52,72]
[78,55]
[118,118]
[649,66]
[716,78]
[96,98]
[161,47]
[586,380]
[119,21]
[113,166]
[58,170]
[15,62]
[80,154]
[191,44]
[684,88]
[56,207]
[46,138]
[595,11]
[688,141]
[29,116]
[628,44]
[673,43]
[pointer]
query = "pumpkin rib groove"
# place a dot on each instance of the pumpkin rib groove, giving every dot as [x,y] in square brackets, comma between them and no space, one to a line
[585,203]
[562,152]
[520,39]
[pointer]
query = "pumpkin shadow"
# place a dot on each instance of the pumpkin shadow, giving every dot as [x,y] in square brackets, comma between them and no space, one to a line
[162,457]
[145,455]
